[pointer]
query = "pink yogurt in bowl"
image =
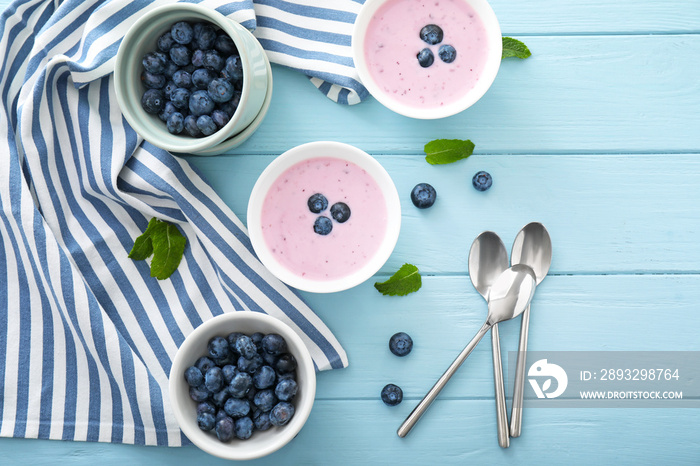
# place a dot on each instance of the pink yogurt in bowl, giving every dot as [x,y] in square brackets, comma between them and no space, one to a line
[387,40]
[324,247]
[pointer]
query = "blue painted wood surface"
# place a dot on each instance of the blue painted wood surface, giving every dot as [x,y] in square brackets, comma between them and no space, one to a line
[597,135]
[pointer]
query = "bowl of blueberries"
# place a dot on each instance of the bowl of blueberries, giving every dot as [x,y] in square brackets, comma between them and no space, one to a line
[190,80]
[242,385]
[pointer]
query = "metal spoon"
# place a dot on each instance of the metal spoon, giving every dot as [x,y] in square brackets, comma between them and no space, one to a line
[532,247]
[488,258]
[509,296]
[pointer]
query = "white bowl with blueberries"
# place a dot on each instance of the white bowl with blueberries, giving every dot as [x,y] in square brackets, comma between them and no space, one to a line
[188,79]
[242,385]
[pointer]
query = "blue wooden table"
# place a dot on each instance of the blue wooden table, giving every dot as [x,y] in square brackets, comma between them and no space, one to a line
[597,136]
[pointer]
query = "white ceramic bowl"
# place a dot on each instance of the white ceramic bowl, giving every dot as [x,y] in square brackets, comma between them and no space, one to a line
[262,442]
[310,151]
[143,36]
[493,62]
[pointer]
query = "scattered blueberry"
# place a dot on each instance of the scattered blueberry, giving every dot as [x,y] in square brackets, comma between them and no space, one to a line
[206,125]
[425,58]
[180,97]
[431,34]
[323,225]
[236,407]
[265,400]
[423,195]
[165,42]
[286,363]
[447,53]
[199,394]
[220,90]
[224,45]
[482,181]
[262,420]
[286,389]
[206,421]
[392,395]
[240,384]
[153,81]
[224,429]
[220,118]
[200,103]
[153,101]
[274,344]
[317,203]
[244,428]
[154,62]
[340,212]
[281,413]
[194,376]
[400,344]
[175,123]
[182,78]
[264,377]
[191,126]
[182,32]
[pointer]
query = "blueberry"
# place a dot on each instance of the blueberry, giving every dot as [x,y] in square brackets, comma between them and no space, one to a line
[206,407]
[224,429]
[214,379]
[206,125]
[175,123]
[236,407]
[286,389]
[244,428]
[286,363]
[204,37]
[218,347]
[286,376]
[182,78]
[153,81]
[180,55]
[221,362]
[256,338]
[265,400]
[204,364]
[425,58]
[224,45]
[220,90]
[400,344]
[264,377]
[431,34]
[213,61]
[251,394]
[153,101]
[340,212]
[198,58]
[230,107]
[423,195]
[167,111]
[262,420]
[206,421]
[274,344]
[317,203]
[323,225]
[168,90]
[392,395]
[170,69]
[447,53]
[232,338]
[194,376]
[233,70]
[482,181]
[199,394]
[221,414]
[191,126]
[246,347]
[180,97]
[182,32]
[250,365]
[281,413]
[220,397]
[201,104]
[269,359]
[154,62]
[202,77]
[229,371]
[165,42]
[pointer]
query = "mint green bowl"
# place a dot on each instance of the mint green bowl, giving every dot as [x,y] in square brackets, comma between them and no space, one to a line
[142,37]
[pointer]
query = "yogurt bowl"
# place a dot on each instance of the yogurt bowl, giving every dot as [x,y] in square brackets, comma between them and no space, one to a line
[324,217]
[427,59]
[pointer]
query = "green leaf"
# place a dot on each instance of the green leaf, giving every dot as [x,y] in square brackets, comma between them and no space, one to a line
[406,280]
[143,246]
[442,151]
[168,249]
[514,48]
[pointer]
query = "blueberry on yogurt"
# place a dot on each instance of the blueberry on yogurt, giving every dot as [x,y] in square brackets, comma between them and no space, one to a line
[323,226]
[317,203]
[340,212]
[425,57]
[431,34]
[447,53]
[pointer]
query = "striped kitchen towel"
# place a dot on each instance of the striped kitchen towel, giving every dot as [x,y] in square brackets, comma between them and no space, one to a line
[86,335]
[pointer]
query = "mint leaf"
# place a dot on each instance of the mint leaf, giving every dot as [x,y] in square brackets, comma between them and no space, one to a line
[442,151]
[514,48]
[406,280]
[143,246]
[168,249]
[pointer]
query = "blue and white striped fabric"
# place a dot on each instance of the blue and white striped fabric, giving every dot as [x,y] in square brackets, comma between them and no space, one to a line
[86,335]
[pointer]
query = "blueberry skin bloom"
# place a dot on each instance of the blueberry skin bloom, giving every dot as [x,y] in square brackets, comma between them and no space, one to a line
[153,81]
[425,58]
[182,78]
[447,53]
[281,413]
[264,377]
[213,61]
[423,195]
[194,376]
[153,101]
[392,394]
[235,407]
[154,62]
[201,104]
[286,389]
[323,226]
[220,90]
[220,118]
[180,97]
[233,70]
[180,55]
[218,347]
[265,400]
[400,344]
[206,421]
[240,385]
[191,126]
[202,77]
[182,32]
[175,123]
[317,203]
[340,212]
[214,379]
[206,125]
[262,420]
[165,42]
[482,181]
[431,34]
[224,429]
[274,344]
[246,347]
[243,428]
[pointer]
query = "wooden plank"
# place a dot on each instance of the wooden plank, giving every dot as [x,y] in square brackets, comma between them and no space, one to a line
[606,213]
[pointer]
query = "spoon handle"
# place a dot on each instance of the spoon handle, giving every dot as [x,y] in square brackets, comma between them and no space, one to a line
[428,399]
[501,414]
[516,414]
